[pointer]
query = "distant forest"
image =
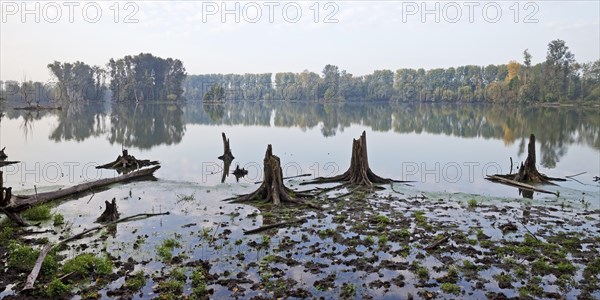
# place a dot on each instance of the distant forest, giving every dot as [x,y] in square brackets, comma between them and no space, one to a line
[146,77]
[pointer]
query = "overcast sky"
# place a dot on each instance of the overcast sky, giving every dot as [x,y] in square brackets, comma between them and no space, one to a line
[358,36]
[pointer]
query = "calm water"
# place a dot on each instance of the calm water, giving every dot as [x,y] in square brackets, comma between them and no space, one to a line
[443,148]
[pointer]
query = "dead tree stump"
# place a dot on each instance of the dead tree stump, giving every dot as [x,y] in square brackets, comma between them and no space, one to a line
[227,155]
[126,163]
[359,172]
[272,188]
[110,212]
[528,171]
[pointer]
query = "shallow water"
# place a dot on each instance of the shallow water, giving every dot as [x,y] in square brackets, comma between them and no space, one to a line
[448,148]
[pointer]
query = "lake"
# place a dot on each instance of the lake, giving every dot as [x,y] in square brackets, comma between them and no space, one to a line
[440,147]
[444,150]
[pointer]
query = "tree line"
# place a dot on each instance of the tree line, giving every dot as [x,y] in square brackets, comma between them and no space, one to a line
[132,78]
[146,77]
[558,78]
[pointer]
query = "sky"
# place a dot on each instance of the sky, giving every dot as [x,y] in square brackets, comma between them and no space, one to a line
[291,36]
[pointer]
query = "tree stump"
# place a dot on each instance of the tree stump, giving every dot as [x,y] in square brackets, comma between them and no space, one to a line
[359,172]
[126,163]
[110,212]
[528,171]
[227,155]
[272,188]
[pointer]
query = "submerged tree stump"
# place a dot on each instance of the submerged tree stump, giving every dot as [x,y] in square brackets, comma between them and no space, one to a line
[126,163]
[110,212]
[227,155]
[528,172]
[272,188]
[359,172]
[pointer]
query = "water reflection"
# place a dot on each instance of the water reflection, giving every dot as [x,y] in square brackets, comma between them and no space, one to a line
[151,124]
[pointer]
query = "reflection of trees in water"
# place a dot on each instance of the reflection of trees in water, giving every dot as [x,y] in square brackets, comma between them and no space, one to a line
[146,125]
[78,122]
[150,124]
[555,127]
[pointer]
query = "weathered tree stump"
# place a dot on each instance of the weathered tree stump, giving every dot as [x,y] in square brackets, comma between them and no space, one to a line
[126,163]
[528,172]
[110,212]
[359,172]
[227,155]
[272,188]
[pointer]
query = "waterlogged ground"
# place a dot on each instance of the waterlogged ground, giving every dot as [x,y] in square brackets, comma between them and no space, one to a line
[389,244]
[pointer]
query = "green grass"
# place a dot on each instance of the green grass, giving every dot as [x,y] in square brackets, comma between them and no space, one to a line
[87,263]
[165,250]
[199,287]
[38,213]
[23,258]
[57,289]
[171,286]
[381,219]
[472,203]
[59,220]
[450,288]
[135,282]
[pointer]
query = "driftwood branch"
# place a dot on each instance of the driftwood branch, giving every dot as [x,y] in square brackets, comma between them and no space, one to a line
[496,178]
[271,226]
[437,242]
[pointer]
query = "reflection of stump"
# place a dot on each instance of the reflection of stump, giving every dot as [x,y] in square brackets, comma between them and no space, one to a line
[272,188]
[3,155]
[110,212]
[227,156]
[359,172]
[239,173]
[226,165]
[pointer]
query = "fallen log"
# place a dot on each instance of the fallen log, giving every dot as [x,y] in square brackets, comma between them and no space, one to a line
[271,226]
[520,185]
[48,247]
[21,203]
